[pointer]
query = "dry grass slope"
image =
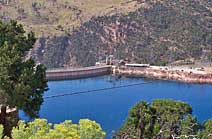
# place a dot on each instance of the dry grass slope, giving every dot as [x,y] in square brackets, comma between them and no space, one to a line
[55,17]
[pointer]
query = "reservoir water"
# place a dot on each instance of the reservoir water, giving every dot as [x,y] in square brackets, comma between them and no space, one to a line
[110,107]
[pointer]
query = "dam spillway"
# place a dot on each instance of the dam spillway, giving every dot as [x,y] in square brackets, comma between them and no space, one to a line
[66,74]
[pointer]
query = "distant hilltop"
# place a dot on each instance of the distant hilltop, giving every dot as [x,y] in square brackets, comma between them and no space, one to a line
[81,33]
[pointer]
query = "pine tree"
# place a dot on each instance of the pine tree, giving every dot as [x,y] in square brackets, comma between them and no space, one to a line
[22,82]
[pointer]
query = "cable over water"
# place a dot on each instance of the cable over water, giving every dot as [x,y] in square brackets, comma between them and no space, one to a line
[96,90]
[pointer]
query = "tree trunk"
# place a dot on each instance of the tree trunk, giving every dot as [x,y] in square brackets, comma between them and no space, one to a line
[3,115]
[8,120]
[141,130]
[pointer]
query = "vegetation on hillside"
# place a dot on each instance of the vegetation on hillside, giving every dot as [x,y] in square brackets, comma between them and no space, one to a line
[51,18]
[159,32]
[80,33]
[163,119]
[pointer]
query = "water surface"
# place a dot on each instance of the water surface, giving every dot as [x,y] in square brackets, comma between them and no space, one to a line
[110,107]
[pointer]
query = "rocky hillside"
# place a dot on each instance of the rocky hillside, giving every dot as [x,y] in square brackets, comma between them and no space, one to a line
[156,32]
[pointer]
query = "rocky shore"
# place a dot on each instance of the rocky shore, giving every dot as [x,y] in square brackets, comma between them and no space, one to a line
[189,76]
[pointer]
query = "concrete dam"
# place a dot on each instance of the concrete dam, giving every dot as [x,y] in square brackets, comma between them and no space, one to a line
[66,74]
[153,72]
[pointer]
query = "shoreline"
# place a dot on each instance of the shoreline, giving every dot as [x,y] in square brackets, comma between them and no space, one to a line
[180,74]
[189,76]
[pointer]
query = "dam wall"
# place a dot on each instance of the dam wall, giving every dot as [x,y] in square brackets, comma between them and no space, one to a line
[66,74]
[154,72]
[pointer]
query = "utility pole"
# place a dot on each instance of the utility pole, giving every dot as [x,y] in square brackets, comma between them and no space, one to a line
[106,61]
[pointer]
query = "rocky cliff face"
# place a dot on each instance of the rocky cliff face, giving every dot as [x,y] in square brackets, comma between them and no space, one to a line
[159,33]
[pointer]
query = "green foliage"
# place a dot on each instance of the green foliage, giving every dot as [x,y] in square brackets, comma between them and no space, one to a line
[207,132]
[139,123]
[190,126]
[1,131]
[161,119]
[169,107]
[41,129]
[90,130]
[140,118]
[22,82]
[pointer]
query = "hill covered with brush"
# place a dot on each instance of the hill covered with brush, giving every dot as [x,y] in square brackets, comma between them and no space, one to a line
[154,31]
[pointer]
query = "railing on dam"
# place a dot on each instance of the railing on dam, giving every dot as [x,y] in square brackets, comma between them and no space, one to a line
[65,74]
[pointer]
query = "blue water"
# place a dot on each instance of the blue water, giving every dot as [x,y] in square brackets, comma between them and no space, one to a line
[110,108]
